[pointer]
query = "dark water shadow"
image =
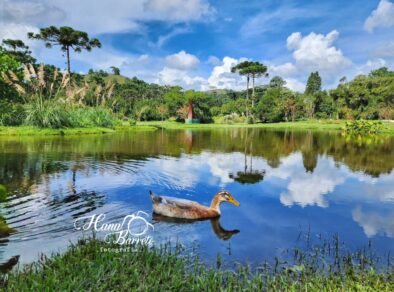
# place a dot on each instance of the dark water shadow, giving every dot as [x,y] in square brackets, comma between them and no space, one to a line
[219,231]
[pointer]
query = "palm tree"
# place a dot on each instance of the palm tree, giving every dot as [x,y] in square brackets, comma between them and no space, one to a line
[67,38]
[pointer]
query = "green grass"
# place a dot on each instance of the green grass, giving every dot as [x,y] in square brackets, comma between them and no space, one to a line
[86,266]
[27,130]
[315,125]
[301,125]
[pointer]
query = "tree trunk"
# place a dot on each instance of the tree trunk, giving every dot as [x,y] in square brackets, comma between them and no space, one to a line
[247,95]
[252,91]
[68,60]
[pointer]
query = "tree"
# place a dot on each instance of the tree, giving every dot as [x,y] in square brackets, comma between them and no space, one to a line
[313,84]
[277,82]
[115,70]
[256,69]
[162,110]
[242,69]
[19,50]
[8,63]
[381,72]
[67,38]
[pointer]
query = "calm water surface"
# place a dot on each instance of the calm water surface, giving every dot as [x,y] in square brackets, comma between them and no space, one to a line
[288,184]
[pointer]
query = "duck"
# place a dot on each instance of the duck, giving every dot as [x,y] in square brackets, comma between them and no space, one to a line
[186,209]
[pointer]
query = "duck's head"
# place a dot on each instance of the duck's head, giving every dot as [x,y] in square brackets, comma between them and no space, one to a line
[225,196]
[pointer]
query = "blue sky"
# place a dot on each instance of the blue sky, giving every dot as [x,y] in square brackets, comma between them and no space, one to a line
[194,43]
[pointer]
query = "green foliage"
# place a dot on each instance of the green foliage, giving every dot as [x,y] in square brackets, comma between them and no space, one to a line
[270,108]
[11,114]
[67,38]
[366,97]
[18,50]
[46,114]
[313,84]
[52,114]
[381,72]
[8,63]
[98,266]
[84,117]
[3,193]
[362,127]
[115,70]
[232,118]
[277,82]
[132,122]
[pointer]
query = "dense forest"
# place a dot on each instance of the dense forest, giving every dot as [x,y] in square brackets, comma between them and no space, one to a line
[45,96]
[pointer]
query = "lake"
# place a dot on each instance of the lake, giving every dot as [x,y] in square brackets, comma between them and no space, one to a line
[290,184]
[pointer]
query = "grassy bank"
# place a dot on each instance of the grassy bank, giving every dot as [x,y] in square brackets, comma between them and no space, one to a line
[27,131]
[87,266]
[315,125]
[322,125]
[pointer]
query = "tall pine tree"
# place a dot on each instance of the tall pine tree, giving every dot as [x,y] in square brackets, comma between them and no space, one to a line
[313,84]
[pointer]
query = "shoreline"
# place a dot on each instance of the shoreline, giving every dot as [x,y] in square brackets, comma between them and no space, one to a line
[314,125]
[91,265]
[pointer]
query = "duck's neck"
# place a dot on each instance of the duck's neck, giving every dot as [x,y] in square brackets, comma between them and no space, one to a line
[215,204]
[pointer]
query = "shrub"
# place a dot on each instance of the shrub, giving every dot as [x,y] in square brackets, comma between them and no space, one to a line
[132,122]
[103,117]
[11,114]
[83,117]
[229,119]
[362,127]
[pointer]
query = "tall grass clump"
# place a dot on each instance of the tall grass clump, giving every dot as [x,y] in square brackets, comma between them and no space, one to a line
[83,117]
[57,100]
[46,114]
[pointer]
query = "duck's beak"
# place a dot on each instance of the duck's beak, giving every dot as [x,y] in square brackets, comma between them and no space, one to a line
[234,201]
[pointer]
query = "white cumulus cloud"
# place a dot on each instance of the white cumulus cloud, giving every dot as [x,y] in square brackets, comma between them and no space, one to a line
[315,52]
[182,61]
[173,76]
[221,76]
[382,16]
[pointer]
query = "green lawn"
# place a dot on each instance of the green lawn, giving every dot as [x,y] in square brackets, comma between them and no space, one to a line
[88,267]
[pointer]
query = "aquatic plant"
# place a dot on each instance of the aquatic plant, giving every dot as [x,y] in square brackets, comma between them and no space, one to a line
[363,127]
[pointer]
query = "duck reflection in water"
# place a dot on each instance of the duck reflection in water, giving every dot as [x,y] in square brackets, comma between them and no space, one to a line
[219,231]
